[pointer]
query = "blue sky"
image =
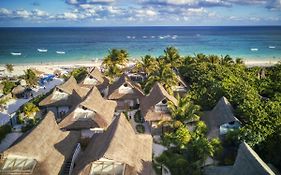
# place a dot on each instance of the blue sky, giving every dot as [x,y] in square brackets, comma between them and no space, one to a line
[139,12]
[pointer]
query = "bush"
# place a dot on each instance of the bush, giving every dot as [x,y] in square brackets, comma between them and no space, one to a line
[4,130]
[8,87]
[138,118]
[140,128]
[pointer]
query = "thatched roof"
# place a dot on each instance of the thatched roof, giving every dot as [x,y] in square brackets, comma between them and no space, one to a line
[119,143]
[248,162]
[47,144]
[70,87]
[104,112]
[37,72]
[222,113]
[103,82]
[18,90]
[114,94]
[156,95]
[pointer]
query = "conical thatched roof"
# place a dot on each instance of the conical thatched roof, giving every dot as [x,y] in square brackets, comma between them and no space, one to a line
[119,143]
[18,90]
[222,113]
[156,95]
[47,144]
[104,112]
[114,94]
[248,162]
[76,94]
[103,82]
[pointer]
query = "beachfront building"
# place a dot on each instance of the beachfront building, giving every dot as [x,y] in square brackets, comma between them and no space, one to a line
[44,150]
[154,107]
[21,92]
[117,151]
[92,115]
[127,93]
[247,162]
[96,78]
[221,119]
[64,97]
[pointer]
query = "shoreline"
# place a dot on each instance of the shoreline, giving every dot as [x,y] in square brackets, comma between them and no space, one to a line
[49,68]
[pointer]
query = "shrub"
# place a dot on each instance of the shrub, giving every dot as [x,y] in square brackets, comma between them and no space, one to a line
[138,118]
[4,130]
[140,128]
[8,87]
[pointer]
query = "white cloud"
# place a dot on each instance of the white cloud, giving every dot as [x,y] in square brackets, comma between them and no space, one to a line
[22,13]
[4,11]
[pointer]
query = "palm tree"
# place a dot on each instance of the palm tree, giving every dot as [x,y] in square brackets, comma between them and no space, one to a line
[214,59]
[9,68]
[239,61]
[185,111]
[147,64]
[171,56]
[164,74]
[30,110]
[115,61]
[201,57]
[226,60]
[30,77]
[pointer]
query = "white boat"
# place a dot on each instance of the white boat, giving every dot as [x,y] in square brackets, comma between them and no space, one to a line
[16,53]
[60,52]
[271,47]
[254,49]
[42,50]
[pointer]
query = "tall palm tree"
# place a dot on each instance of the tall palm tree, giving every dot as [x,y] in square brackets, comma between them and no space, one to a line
[115,61]
[147,64]
[164,74]
[30,77]
[9,68]
[185,111]
[239,61]
[226,60]
[214,59]
[201,57]
[171,56]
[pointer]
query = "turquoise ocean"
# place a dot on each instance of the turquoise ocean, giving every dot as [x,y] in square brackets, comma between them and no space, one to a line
[42,45]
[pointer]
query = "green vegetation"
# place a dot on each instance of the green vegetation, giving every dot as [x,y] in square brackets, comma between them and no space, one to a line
[4,130]
[114,62]
[29,110]
[78,73]
[140,128]
[30,77]
[9,68]
[138,118]
[8,87]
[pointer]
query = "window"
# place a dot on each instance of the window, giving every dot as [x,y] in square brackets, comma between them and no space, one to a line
[107,168]
[164,101]
[18,166]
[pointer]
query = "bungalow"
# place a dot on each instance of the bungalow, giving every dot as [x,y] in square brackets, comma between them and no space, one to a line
[64,97]
[21,92]
[127,93]
[117,151]
[181,87]
[221,119]
[94,114]
[154,107]
[247,162]
[42,151]
[96,78]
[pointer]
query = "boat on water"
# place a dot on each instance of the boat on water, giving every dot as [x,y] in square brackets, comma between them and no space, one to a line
[16,53]
[271,47]
[254,49]
[60,52]
[42,50]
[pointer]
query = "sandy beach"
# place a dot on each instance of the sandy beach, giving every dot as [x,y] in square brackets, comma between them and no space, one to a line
[49,68]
